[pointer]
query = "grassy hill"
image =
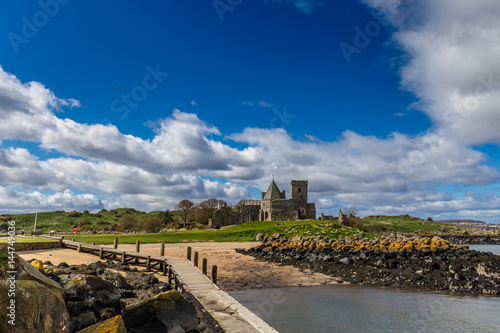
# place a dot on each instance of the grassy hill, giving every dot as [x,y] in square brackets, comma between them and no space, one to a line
[65,221]
[110,220]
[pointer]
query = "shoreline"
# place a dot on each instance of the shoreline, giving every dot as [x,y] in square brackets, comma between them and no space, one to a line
[405,264]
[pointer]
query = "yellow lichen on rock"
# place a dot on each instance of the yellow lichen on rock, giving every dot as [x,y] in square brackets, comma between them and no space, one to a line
[112,325]
[39,265]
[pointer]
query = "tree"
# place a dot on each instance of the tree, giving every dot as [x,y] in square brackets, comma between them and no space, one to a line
[209,207]
[185,207]
[351,210]
[167,216]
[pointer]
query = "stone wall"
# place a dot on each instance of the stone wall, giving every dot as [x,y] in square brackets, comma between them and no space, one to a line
[31,246]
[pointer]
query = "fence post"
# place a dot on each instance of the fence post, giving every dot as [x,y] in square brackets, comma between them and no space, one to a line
[214,274]
[164,267]
[169,274]
[196,259]
[79,247]
[93,243]
[137,249]
[148,262]
[115,245]
[189,253]
[101,253]
[162,250]
[123,257]
[204,268]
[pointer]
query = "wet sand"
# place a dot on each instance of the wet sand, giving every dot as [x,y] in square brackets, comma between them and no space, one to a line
[235,271]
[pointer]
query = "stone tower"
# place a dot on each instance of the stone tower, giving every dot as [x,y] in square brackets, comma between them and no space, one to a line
[298,193]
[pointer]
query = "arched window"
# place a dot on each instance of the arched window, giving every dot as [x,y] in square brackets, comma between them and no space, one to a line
[267,215]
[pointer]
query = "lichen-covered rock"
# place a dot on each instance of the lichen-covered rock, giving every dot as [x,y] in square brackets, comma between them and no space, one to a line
[38,309]
[168,311]
[39,265]
[112,325]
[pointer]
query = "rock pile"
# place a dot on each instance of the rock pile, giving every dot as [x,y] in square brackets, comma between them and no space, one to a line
[396,261]
[107,297]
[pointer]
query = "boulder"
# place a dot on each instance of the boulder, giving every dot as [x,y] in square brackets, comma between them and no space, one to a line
[259,237]
[39,305]
[91,293]
[166,312]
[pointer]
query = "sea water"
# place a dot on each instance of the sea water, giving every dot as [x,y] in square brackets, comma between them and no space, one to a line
[343,308]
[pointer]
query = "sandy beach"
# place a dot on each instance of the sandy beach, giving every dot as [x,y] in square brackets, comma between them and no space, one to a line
[235,271]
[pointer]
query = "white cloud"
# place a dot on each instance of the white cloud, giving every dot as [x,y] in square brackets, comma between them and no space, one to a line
[452,49]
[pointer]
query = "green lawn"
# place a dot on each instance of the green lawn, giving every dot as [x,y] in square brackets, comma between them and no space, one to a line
[28,239]
[241,233]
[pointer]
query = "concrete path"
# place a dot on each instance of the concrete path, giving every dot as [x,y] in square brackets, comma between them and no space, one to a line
[229,313]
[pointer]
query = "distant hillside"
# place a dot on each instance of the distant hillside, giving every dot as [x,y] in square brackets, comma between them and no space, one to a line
[461,221]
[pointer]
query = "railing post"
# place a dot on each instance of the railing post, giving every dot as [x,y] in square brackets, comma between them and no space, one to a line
[148,263]
[204,268]
[169,274]
[79,247]
[93,243]
[101,253]
[123,258]
[164,267]
[196,259]
[115,245]
[214,274]
[137,249]
[189,253]
[162,250]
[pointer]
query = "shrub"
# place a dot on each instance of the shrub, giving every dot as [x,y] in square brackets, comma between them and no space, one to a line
[83,223]
[73,214]
[102,222]
[152,224]
[128,223]
[97,215]
[86,212]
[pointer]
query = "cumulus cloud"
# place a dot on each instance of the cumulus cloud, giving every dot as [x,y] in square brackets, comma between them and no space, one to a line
[452,50]
[190,158]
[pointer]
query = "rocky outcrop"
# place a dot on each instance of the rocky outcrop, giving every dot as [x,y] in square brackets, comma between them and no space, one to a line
[401,262]
[91,292]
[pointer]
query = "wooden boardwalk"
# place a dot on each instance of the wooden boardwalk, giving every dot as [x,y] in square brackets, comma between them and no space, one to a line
[229,313]
[232,316]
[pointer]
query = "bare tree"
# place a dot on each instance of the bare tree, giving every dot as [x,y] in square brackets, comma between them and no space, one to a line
[185,207]
[210,206]
[351,210]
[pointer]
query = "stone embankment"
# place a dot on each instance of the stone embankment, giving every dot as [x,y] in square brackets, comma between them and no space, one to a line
[475,239]
[103,297]
[401,262]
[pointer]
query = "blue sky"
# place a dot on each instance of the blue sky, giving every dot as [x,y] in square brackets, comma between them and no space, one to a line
[381,104]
